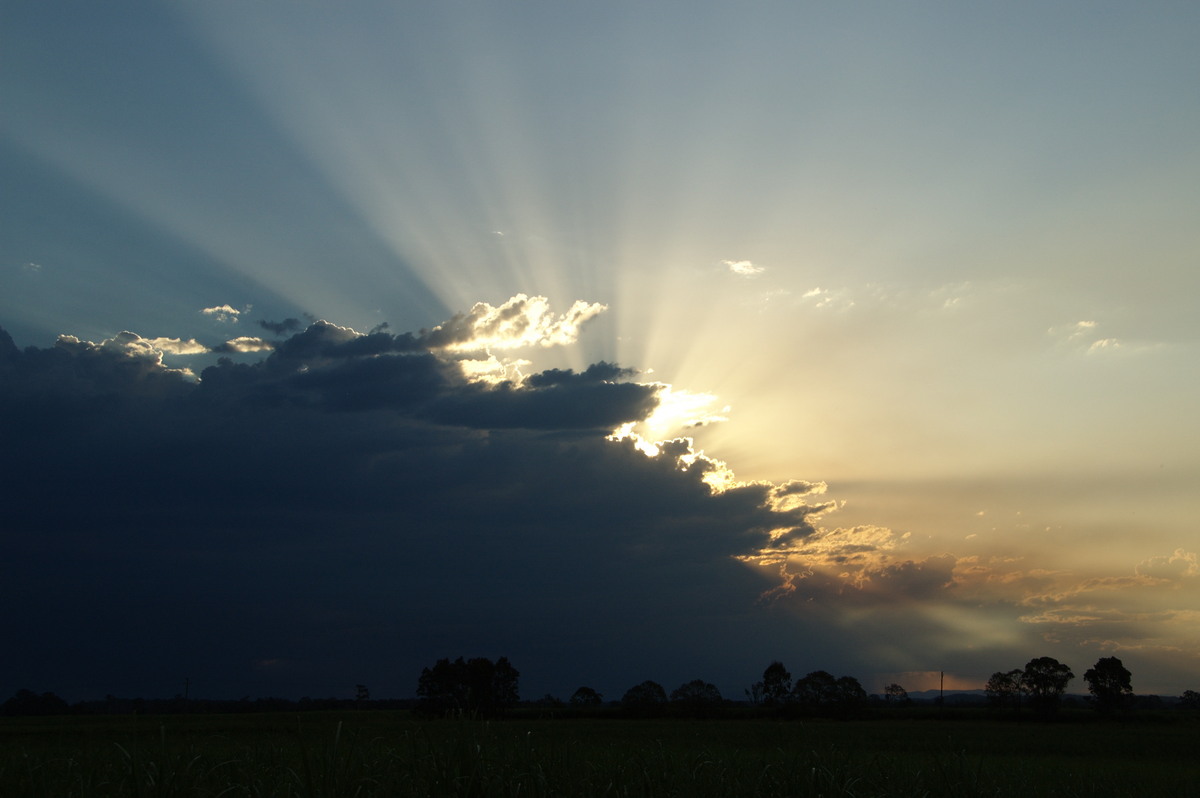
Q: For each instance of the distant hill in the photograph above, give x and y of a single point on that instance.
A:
(970, 697)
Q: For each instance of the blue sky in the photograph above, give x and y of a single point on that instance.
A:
(934, 261)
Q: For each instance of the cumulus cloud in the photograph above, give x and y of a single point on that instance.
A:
(855, 566)
(743, 268)
(522, 321)
(371, 502)
(356, 502)
(177, 346)
(1176, 566)
(127, 356)
(243, 344)
(1103, 344)
(836, 299)
(225, 313)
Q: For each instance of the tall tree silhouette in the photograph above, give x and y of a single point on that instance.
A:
(1004, 689)
(776, 684)
(1045, 680)
(1110, 684)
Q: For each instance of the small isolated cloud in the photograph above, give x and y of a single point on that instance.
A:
(245, 343)
(30, 266)
(1104, 344)
(1083, 335)
(795, 493)
(281, 327)
(743, 268)
(1082, 328)
(224, 313)
(828, 298)
(953, 296)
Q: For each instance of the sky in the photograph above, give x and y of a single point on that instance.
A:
(628, 340)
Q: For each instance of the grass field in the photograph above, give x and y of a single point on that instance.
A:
(390, 754)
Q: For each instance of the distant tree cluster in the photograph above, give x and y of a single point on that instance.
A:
(697, 699)
(694, 699)
(27, 702)
(1044, 680)
(468, 687)
(819, 692)
(586, 697)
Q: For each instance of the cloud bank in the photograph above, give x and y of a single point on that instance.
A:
(358, 502)
(352, 506)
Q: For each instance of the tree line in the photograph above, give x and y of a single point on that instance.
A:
(483, 688)
(1043, 681)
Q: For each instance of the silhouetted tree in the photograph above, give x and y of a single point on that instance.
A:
(697, 698)
(1190, 700)
(647, 699)
(586, 697)
(817, 689)
(1110, 684)
(895, 695)
(1045, 680)
(776, 684)
(361, 693)
(849, 693)
(1004, 689)
(476, 686)
(820, 691)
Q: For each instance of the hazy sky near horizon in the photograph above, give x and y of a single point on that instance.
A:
(915, 281)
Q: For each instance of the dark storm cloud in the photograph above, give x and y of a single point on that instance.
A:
(339, 369)
(352, 507)
(280, 327)
(597, 372)
(571, 404)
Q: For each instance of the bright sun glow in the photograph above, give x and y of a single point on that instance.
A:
(680, 411)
